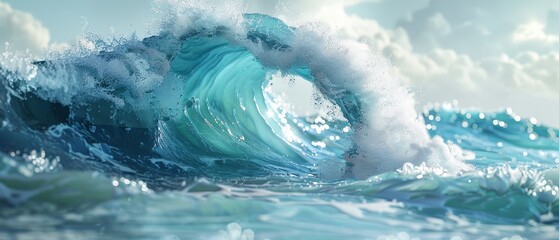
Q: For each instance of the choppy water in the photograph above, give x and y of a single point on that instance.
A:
(179, 136)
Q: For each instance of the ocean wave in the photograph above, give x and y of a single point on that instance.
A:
(198, 92)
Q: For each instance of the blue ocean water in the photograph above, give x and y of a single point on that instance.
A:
(179, 136)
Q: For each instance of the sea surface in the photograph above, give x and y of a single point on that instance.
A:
(180, 135)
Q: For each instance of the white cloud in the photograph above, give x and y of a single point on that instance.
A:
(481, 28)
(21, 30)
(533, 31)
(528, 70)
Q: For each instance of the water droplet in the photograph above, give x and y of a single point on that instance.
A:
(533, 136)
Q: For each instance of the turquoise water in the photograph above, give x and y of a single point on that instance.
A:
(180, 136)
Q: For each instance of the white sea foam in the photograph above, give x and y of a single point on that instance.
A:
(234, 231)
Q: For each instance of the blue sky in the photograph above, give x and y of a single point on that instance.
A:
(485, 54)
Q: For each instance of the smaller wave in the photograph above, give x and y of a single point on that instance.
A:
(495, 138)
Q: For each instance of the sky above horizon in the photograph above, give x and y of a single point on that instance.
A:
(484, 54)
